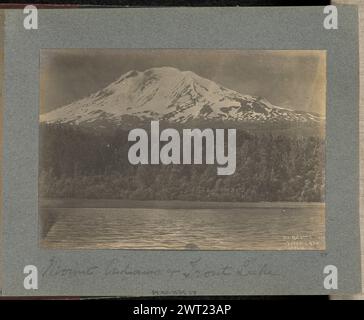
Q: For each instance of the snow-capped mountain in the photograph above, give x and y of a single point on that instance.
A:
(172, 95)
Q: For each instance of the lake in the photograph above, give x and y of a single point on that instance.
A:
(114, 224)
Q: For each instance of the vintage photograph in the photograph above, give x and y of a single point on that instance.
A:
(182, 149)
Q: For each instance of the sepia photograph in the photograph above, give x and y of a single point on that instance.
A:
(182, 149)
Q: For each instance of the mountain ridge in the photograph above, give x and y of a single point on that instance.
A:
(168, 94)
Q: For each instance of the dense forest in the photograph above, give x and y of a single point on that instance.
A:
(77, 163)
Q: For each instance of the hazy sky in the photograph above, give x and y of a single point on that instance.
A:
(287, 78)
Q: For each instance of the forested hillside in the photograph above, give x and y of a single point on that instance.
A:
(76, 163)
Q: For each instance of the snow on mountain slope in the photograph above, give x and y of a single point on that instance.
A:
(169, 94)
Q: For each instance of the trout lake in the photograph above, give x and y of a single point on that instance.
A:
(180, 225)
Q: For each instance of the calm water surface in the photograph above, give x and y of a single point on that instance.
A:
(277, 228)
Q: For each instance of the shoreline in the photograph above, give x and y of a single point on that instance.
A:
(169, 204)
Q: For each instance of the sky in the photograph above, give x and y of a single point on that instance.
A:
(294, 79)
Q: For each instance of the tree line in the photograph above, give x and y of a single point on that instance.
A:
(78, 163)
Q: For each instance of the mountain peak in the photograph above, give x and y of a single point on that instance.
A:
(167, 93)
(163, 69)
